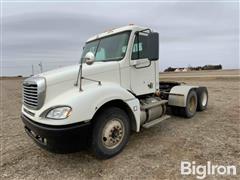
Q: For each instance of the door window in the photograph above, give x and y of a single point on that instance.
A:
(139, 50)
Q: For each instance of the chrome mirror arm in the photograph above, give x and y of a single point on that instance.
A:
(79, 76)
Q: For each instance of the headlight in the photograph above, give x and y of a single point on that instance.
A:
(59, 113)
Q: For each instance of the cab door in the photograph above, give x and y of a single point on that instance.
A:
(143, 72)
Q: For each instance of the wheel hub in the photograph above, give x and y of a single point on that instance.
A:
(112, 134)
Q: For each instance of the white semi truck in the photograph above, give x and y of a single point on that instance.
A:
(114, 90)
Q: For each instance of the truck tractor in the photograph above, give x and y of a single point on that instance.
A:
(114, 90)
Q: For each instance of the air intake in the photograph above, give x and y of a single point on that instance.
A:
(34, 92)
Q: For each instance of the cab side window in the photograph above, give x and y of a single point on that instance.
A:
(139, 50)
(101, 54)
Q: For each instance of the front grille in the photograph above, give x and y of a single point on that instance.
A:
(34, 92)
(30, 95)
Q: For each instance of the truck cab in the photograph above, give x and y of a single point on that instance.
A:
(114, 90)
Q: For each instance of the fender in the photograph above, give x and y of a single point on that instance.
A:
(178, 95)
(84, 104)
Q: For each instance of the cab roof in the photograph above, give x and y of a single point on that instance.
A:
(114, 31)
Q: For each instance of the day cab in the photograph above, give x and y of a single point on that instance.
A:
(114, 90)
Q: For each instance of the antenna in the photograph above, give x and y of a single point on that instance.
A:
(32, 70)
(41, 67)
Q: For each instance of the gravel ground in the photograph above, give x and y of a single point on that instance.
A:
(155, 153)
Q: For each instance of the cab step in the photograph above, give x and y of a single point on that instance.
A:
(156, 121)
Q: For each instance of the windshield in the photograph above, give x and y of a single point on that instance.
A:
(110, 48)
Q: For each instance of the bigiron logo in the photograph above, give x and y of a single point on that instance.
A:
(202, 171)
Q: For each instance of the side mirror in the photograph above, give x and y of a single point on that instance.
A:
(89, 58)
(153, 46)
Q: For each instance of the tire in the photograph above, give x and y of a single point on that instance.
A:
(111, 132)
(191, 105)
(202, 94)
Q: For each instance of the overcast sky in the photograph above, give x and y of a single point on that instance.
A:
(191, 33)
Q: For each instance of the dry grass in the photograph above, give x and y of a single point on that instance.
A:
(156, 153)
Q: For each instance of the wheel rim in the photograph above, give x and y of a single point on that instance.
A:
(204, 99)
(112, 134)
(192, 104)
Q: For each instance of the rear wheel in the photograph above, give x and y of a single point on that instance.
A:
(202, 94)
(110, 132)
(191, 105)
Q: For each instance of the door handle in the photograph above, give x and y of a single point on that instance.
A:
(139, 62)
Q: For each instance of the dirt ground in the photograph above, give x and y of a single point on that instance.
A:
(155, 153)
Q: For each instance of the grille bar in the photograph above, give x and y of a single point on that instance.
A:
(30, 86)
(31, 99)
(29, 94)
(30, 104)
(33, 92)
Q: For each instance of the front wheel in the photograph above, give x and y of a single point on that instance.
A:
(110, 132)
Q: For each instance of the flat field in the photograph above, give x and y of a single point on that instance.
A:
(155, 153)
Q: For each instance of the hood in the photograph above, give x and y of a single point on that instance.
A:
(70, 73)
